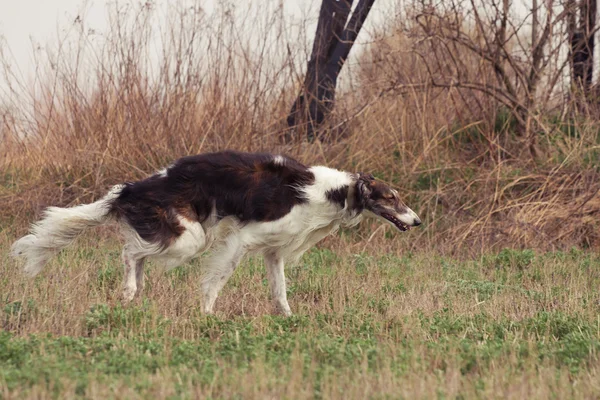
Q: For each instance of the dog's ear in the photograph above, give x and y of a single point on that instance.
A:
(366, 177)
(363, 188)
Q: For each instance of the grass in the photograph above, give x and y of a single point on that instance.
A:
(367, 325)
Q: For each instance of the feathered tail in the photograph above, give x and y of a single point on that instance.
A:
(58, 228)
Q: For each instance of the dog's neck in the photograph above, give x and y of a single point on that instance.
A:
(354, 210)
(355, 204)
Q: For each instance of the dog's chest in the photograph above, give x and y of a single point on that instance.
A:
(303, 225)
(305, 232)
(316, 235)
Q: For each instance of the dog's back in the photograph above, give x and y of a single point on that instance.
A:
(250, 186)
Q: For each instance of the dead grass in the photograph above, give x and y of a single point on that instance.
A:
(107, 116)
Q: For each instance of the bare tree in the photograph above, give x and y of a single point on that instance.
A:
(581, 30)
(333, 41)
(484, 46)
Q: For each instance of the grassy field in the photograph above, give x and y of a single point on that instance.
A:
(515, 324)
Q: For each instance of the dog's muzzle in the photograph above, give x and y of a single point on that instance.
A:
(403, 221)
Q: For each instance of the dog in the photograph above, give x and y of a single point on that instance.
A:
(238, 203)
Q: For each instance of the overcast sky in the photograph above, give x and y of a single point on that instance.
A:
(26, 24)
(40, 21)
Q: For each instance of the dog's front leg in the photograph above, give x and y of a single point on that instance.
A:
(276, 276)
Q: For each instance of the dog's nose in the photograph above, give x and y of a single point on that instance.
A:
(417, 222)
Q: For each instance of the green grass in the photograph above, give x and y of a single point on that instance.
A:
(322, 346)
(367, 325)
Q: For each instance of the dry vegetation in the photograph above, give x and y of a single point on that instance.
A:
(108, 108)
(382, 314)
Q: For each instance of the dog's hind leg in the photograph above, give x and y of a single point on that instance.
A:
(133, 279)
(275, 274)
(219, 269)
(139, 275)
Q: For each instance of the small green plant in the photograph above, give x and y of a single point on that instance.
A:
(518, 259)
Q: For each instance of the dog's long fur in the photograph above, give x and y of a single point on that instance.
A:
(241, 202)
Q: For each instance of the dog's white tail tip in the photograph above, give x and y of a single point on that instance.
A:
(19, 247)
(27, 247)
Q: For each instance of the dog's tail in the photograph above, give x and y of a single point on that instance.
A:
(58, 228)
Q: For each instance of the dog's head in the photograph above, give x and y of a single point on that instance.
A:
(382, 202)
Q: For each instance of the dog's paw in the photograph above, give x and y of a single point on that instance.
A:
(128, 294)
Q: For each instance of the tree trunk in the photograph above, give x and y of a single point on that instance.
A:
(331, 48)
(581, 37)
(314, 100)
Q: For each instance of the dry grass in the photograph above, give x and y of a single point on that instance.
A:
(109, 111)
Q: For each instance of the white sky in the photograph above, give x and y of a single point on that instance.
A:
(27, 24)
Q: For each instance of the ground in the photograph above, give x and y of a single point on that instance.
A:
(513, 324)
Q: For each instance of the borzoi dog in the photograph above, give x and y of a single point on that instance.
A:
(240, 202)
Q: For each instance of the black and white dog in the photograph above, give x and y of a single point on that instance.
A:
(241, 202)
